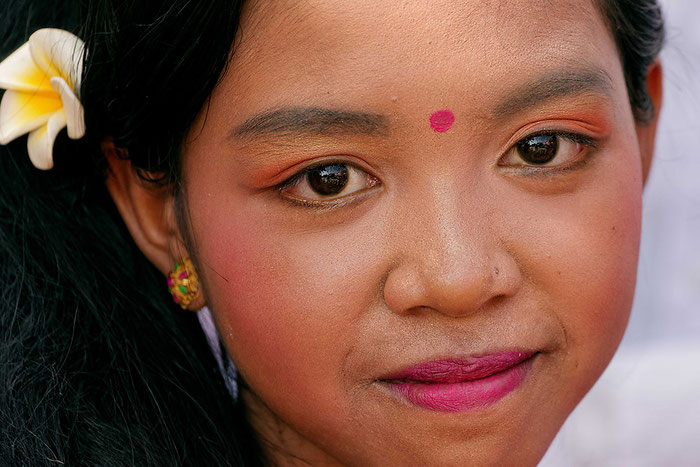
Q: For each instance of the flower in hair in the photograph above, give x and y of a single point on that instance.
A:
(42, 79)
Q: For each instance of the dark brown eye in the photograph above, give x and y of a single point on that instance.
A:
(538, 149)
(327, 180)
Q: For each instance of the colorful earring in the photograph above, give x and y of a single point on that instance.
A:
(184, 286)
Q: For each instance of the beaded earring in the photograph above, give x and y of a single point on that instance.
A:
(183, 283)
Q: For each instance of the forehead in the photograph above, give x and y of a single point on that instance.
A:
(451, 23)
(332, 52)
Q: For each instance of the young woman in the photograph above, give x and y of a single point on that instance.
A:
(416, 227)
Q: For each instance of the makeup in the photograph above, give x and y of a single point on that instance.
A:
(461, 385)
(442, 120)
(367, 324)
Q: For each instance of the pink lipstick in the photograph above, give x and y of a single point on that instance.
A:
(462, 384)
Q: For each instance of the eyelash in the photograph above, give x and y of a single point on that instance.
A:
(589, 146)
(323, 205)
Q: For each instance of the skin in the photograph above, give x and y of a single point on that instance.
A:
(454, 249)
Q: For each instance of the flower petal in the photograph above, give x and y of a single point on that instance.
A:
(22, 112)
(19, 72)
(40, 141)
(58, 53)
(75, 115)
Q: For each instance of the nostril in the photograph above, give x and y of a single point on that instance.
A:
(404, 289)
(455, 288)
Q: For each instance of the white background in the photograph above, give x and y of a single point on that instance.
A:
(645, 410)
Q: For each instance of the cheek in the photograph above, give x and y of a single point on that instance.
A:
(601, 268)
(599, 272)
(582, 261)
(287, 302)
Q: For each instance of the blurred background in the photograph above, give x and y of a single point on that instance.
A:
(645, 409)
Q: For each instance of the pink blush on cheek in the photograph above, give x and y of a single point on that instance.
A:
(442, 120)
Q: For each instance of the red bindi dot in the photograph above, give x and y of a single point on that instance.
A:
(442, 120)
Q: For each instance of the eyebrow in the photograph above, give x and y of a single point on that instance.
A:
(324, 122)
(312, 121)
(556, 85)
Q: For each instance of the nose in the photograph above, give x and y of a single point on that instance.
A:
(449, 259)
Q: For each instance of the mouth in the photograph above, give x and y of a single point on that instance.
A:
(461, 385)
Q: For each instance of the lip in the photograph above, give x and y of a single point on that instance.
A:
(460, 385)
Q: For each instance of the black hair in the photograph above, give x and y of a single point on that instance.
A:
(638, 29)
(97, 365)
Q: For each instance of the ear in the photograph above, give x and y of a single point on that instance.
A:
(646, 132)
(148, 210)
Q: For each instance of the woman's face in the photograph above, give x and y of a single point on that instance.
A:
(417, 224)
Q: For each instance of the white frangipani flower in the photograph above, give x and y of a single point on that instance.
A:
(42, 79)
